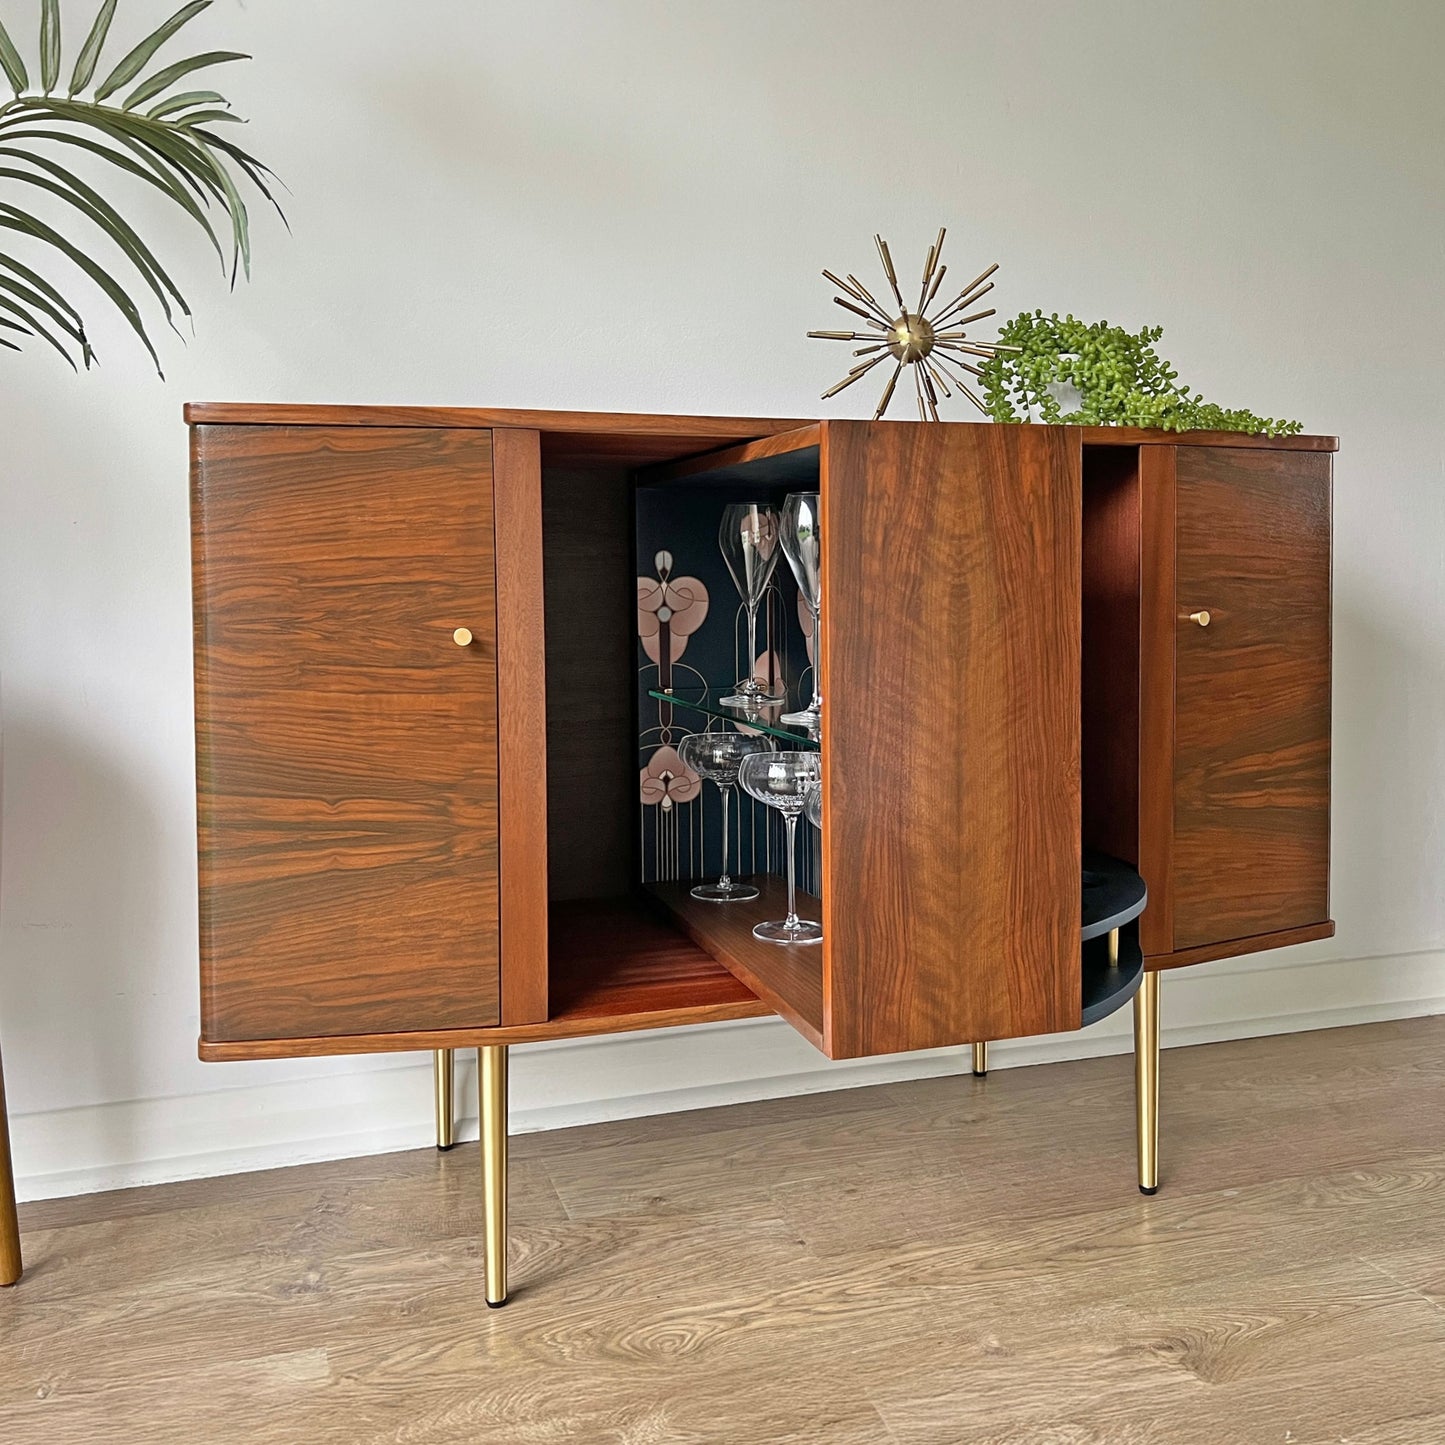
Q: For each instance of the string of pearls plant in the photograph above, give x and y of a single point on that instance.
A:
(1121, 380)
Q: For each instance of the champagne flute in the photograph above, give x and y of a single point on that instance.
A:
(748, 539)
(717, 757)
(782, 781)
(802, 545)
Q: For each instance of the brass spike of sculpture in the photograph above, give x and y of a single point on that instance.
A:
(933, 345)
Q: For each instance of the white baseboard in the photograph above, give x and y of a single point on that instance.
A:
(383, 1104)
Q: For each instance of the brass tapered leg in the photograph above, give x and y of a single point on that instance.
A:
(1146, 1080)
(10, 1266)
(492, 1070)
(442, 1078)
(980, 1060)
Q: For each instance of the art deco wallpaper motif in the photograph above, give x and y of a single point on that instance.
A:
(692, 639)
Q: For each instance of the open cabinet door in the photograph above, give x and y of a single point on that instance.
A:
(951, 655)
(346, 742)
(1251, 777)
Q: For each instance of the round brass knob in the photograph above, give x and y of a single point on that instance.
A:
(462, 637)
(1202, 618)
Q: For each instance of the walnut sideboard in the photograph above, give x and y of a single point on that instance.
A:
(428, 683)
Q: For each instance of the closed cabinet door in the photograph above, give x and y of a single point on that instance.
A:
(951, 721)
(346, 730)
(1252, 693)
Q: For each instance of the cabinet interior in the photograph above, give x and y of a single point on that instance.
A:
(620, 915)
(1109, 623)
(613, 861)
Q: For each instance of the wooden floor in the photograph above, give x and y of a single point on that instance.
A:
(952, 1262)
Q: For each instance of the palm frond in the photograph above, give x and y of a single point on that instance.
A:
(149, 173)
(94, 207)
(164, 79)
(187, 98)
(12, 218)
(171, 146)
(11, 63)
(24, 301)
(134, 63)
(49, 44)
(90, 51)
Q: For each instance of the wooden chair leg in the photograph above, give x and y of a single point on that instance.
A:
(10, 1263)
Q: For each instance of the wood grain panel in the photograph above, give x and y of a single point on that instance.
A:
(569, 438)
(1252, 694)
(521, 725)
(744, 454)
(615, 959)
(950, 733)
(605, 435)
(1134, 436)
(590, 605)
(789, 977)
(1157, 627)
(346, 746)
(615, 966)
(1234, 947)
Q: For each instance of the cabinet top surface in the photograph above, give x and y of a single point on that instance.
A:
(704, 429)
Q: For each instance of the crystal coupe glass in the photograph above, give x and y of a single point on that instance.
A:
(717, 757)
(748, 539)
(802, 545)
(782, 781)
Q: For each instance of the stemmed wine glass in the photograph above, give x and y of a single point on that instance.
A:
(782, 781)
(802, 545)
(813, 808)
(717, 757)
(748, 537)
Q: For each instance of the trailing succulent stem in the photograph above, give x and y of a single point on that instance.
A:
(153, 132)
(1120, 378)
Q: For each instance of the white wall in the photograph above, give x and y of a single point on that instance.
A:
(624, 204)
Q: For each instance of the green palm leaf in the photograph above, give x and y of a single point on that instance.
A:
(67, 314)
(12, 218)
(172, 147)
(184, 101)
(148, 173)
(23, 302)
(49, 44)
(91, 204)
(28, 324)
(164, 79)
(11, 63)
(94, 44)
(133, 64)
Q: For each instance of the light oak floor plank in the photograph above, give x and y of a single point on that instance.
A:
(946, 1262)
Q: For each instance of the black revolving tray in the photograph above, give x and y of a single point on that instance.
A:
(1113, 897)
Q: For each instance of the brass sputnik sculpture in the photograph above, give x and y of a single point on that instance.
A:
(931, 345)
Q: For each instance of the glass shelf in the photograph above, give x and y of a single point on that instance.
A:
(763, 720)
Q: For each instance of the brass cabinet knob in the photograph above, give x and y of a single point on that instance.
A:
(462, 637)
(1201, 617)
